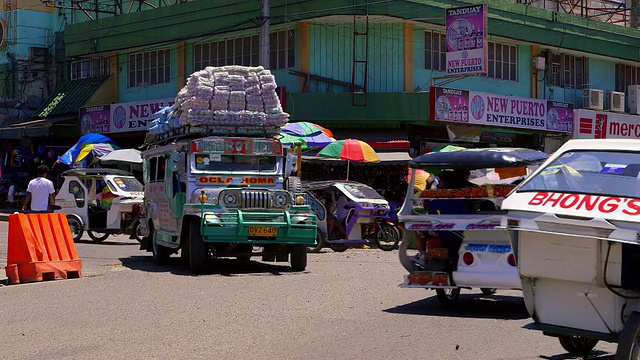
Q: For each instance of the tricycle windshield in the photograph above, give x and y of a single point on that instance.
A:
(361, 191)
(221, 162)
(612, 173)
(128, 184)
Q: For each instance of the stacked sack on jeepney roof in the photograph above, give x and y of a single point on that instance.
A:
(226, 100)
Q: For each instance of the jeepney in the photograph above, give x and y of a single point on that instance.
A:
(216, 197)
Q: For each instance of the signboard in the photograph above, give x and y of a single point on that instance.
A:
(593, 124)
(243, 146)
(94, 119)
(478, 108)
(466, 29)
(122, 117)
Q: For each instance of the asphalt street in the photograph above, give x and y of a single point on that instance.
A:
(344, 306)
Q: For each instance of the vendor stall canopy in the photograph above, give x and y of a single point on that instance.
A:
(478, 159)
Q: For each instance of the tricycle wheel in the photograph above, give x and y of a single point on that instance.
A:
(137, 231)
(387, 237)
(160, 253)
(338, 247)
(76, 227)
(198, 252)
(298, 257)
(97, 236)
(448, 296)
(320, 243)
(488, 291)
(629, 340)
(577, 345)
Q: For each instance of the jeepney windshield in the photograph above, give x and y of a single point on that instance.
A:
(128, 184)
(362, 192)
(223, 162)
(612, 173)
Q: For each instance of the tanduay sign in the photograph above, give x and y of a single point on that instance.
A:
(121, 117)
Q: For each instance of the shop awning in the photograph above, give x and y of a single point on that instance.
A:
(31, 128)
(69, 97)
(378, 138)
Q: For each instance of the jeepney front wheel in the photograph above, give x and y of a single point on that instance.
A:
(579, 345)
(160, 253)
(298, 257)
(448, 297)
(629, 340)
(198, 252)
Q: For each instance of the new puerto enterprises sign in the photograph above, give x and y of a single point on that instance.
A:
(122, 117)
(478, 108)
(466, 29)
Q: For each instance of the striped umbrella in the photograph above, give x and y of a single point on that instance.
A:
(350, 150)
(304, 128)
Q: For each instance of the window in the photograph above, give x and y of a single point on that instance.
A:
(153, 166)
(435, 51)
(502, 61)
(567, 71)
(77, 190)
(149, 68)
(245, 51)
(84, 69)
(626, 75)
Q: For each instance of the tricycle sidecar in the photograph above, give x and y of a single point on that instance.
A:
(576, 232)
(359, 213)
(458, 222)
(80, 198)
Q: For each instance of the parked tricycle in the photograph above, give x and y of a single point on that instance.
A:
(351, 213)
(88, 206)
(576, 233)
(456, 225)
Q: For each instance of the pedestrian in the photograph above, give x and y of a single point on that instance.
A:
(40, 192)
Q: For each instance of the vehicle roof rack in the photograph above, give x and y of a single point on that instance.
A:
(95, 172)
(194, 132)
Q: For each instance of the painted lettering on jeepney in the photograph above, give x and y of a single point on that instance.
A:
(236, 180)
(237, 146)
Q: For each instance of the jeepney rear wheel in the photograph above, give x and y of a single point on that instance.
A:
(578, 345)
(96, 237)
(198, 252)
(298, 257)
(629, 340)
(448, 297)
(488, 291)
(160, 253)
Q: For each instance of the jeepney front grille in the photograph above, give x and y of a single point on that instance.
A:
(255, 199)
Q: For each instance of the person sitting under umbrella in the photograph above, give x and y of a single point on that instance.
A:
(335, 229)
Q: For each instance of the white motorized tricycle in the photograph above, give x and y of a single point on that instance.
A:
(79, 199)
(576, 232)
(459, 221)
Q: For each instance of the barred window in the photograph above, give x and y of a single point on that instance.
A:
(626, 75)
(149, 68)
(245, 51)
(502, 61)
(567, 71)
(435, 51)
(90, 68)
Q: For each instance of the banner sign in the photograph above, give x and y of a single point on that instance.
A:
(593, 124)
(466, 29)
(478, 108)
(122, 117)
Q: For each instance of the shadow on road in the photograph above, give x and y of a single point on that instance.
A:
(595, 354)
(107, 242)
(468, 306)
(224, 267)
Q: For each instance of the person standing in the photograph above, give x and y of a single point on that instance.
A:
(40, 192)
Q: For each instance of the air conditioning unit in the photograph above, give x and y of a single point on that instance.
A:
(615, 101)
(633, 92)
(592, 99)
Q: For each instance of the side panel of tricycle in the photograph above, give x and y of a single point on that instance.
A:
(565, 283)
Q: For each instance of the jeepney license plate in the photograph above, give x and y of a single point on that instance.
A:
(437, 278)
(264, 231)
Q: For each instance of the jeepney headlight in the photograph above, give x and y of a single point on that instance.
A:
(281, 199)
(230, 198)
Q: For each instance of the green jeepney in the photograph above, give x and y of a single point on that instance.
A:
(217, 197)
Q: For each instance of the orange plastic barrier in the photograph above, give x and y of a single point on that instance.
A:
(41, 247)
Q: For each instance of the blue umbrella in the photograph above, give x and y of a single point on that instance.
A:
(70, 157)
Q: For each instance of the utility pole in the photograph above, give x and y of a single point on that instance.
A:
(265, 25)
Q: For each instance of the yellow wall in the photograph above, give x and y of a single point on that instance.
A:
(35, 5)
(407, 33)
(108, 92)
